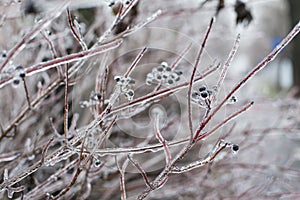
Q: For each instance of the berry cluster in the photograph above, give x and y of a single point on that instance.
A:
(232, 100)
(20, 73)
(203, 97)
(163, 74)
(124, 83)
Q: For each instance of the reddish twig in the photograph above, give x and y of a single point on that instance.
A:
(140, 169)
(21, 45)
(193, 77)
(135, 62)
(271, 56)
(66, 105)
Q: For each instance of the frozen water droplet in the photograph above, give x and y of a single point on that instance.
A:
(31, 157)
(84, 104)
(10, 193)
(5, 175)
(164, 64)
(4, 54)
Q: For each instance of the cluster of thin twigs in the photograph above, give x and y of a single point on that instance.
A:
(92, 158)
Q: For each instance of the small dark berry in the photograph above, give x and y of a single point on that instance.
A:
(117, 79)
(22, 75)
(179, 72)
(98, 96)
(4, 54)
(160, 69)
(148, 82)
(111, 4)
(170, 81)
(97, 163)
(233, 99)
(202, 88)
(130, 93)
(16, 81)
(168, 69)
(195, 94)
(204, 94)
(21, 71)
(235, 147)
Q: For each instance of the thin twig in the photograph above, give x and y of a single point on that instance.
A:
(219, 146)
(135, 62)
(26, 93)
(181, 56)
(227, 119)
(193, 77)
(43, 66)
(31, 194)
(122, 177)
(165, 173)
(271, 56)
(66, 105)
(162, 140)
(75, 176)
(140, 169)
(21, 45)
(33, 104)
(228, 61)
(75, 33)
(29, 171)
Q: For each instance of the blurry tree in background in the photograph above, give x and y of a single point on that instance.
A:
(294, 14)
